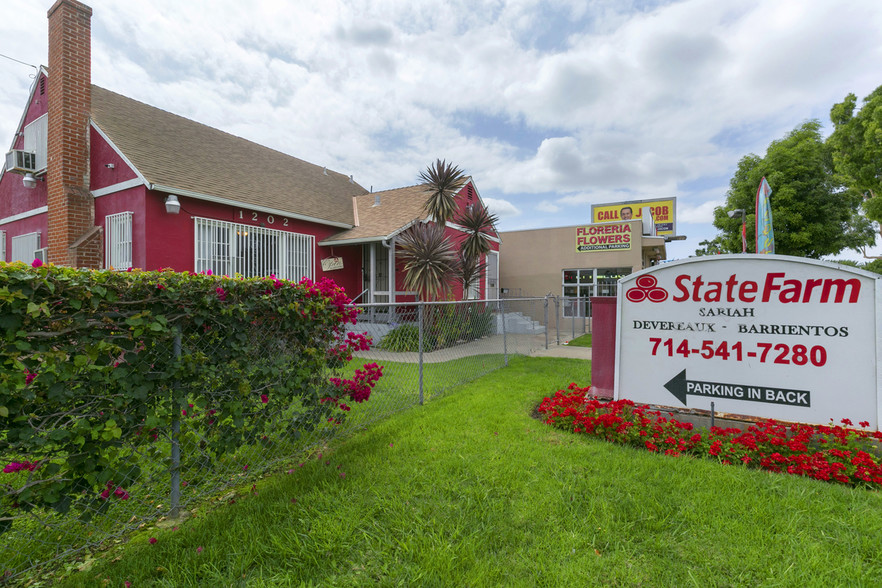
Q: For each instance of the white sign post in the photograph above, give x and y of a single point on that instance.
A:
(769, 336)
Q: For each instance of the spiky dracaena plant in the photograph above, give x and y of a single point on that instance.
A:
(442, 181)
(476, 221)
(469, 270)
(429, 259)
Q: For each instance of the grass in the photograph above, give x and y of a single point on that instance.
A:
(581, 341)
(470, 490)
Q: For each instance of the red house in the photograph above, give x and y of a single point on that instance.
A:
(95, 179)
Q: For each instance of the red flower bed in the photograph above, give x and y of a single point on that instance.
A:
(831, 453)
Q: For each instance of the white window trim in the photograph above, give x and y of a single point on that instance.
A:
(2, 245)
(31, 243)
(118, 241)
(487, 275)
(36, 135)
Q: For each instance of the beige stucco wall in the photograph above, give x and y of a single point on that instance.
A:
(531, 262)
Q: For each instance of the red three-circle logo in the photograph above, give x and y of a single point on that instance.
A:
(646, 288)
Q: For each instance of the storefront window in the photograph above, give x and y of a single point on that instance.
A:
(579, 285)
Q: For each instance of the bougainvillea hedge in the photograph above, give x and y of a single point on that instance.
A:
(94, 363)
(832, 453)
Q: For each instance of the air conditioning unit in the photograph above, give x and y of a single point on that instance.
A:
(21, 161)
(42, 254)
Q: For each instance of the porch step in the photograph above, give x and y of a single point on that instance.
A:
(518, 323)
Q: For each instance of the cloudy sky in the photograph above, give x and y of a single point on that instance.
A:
(550, 105)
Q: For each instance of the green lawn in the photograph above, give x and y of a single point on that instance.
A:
(470, 490)
(581, 341)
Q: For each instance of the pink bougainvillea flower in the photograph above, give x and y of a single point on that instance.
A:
(264, 398)
(16, 466)
(199, 549)
(160, 287)
(152, 540)
(342, 474)
(36, 263)
(29, 377)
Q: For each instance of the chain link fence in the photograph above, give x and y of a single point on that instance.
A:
(191, 455)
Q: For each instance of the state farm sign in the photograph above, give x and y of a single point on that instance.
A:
(762, 335)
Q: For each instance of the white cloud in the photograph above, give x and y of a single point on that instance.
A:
(547, 206)
(501, 208)
(619, 100)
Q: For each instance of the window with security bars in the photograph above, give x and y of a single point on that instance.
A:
(24, 246)
(118, 241)
(229, 249)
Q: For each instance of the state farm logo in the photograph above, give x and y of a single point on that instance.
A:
(646, 288)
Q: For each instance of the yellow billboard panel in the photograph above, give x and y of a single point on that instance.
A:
(663, 213)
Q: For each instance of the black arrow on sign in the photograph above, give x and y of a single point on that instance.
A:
(681, 387)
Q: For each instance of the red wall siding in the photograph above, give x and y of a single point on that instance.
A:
(102, 154)
(171, 237)
(14, 197)
(131, 200)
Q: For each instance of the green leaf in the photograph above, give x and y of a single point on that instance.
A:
(4, 412)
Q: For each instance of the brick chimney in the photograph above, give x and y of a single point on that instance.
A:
(74, 240)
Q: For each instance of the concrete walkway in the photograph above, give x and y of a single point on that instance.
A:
(532, 345)
(562, 351)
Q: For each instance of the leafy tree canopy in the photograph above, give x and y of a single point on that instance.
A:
(856, 146)
(812, 214)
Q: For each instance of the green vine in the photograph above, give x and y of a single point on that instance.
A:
(96, 365)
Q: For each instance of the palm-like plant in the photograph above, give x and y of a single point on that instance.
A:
(429, 259)
(469, 269)
(476, 220)
(442, 181)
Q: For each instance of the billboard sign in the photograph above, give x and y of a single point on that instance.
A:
(769, 336)
(664, 212)
(603, 237)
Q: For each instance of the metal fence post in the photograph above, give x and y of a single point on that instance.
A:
(546, 321)
(585, 315)
(557, 318)
(420, 345)
(175, 498)
(504, 339)
(573, 317)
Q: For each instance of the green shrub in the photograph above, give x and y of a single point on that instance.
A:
(401, 338)
(95, 366)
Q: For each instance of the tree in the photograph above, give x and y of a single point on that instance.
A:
(442, 181)
(431, 262)
(856, 145)
(812, 214)
(429, 259)
(476, 244)
(710, 246)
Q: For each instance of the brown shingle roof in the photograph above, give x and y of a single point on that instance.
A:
(397, 209)
(181, 154)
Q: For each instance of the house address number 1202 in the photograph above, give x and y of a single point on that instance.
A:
(254, 217)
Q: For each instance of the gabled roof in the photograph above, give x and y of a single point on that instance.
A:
(173, 153)
(397, 210)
